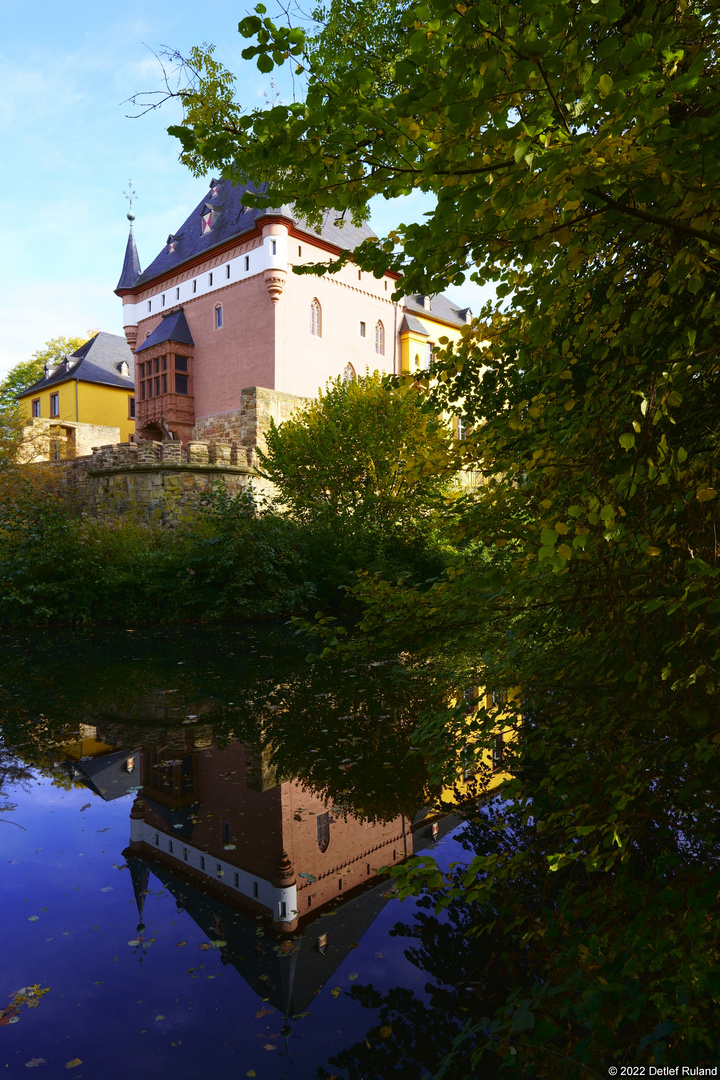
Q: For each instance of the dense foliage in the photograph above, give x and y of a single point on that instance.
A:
(572, 150)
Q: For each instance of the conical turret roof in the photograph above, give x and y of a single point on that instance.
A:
(131, 265)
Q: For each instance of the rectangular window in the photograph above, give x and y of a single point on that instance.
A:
(226, 832)
(218, 870)
(498, 751)
(164, 383)
(299, 251)
(181, 383)
(149, 305)
(157, 386)
(273, 245)
(218, 318)
(202, 862)
(195, 286)
(54, 404)
(142, 371)
(177, 293)
(429, 352)
(362, 329)
(55, 450)
(157, 840)
(283, 909)
(227, 271)
(131, 408)
(181, 363)
(237, 881)
(36, 407)
(164, 363)
(170, 846)
(162, 300)
(157, 364)
(247, 262)
(256, 891)
(461, 429)
(142, 391)
(209, 279)
(185, 854)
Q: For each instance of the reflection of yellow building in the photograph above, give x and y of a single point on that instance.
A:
(482, 771)
(87, 399)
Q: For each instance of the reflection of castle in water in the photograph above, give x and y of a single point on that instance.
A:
(219, 819)
(238, 849)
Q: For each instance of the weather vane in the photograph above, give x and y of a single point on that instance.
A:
(130, 194)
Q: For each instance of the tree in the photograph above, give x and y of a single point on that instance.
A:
(572, 149)
(344, 456)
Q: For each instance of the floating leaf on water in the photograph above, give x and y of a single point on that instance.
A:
(33, 918)
(353, 976)
(34, 1062)
(250, 1072)
(385, 1031)
(85, 807)
(107, 888)
(336, 991)
(73, 1064)
(134, 942)
(229, 847)
(269, 1046)
(181, 943)
(160, 1017)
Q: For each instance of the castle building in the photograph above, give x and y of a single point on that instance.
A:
(219, 311)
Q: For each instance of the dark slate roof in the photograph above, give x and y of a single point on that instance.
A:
(440, 306)
(232, 219)
(97, 361)
(131, 266)
(107, 776)
(172, 327)
(411, 323)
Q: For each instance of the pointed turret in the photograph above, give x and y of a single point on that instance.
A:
(131, 266)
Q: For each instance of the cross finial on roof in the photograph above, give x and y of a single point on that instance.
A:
(130, 194)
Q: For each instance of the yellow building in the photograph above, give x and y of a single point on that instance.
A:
(87, 399)
(425, 320)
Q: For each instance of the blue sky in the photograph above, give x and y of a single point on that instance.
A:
(70, 148)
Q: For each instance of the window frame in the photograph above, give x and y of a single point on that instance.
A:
(315, 317)
(35, 408)
(218, 317)
(54, 406)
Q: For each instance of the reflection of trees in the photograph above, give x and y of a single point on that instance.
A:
(466, 982)
(13, 773)
(347, 732)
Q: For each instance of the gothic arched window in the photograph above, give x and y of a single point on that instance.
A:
(316, 318)
(379, 338)
(348, 373)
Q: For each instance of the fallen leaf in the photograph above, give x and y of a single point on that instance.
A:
(385, 1031)
(250, 1072)
(33, 918)
(269, 1046)
(108, 888)
(336, 991)
(264, 1012)
(33, 1062)
(72, 1064)
(161, 1017)
(354, 945)
(352, 976)
(85, 807)
(181, 943)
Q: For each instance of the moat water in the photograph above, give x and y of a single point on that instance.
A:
(191, 831)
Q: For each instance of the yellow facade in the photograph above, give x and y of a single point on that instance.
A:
(413, 345)
(82, 402)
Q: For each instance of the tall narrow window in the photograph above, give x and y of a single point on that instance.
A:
(131, 408)
(227, 271)
(498, 751)
(273, 246)
(379, 338)
(429, 352)
(316, 318)
(177, 293)
(218, 317)
(36, 407)
(209, 279)
(323, 831)
(195, 285)
(348, 372)
(362, 328)
(149, 305)
(162, 300)
(54, 404)
(247, 262)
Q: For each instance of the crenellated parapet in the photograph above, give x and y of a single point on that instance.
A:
(162, 483)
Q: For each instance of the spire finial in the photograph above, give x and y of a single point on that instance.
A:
(130, 194)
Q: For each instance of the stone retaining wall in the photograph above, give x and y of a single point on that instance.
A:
(247, 425)
(154, 482)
